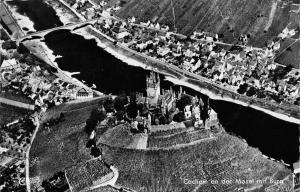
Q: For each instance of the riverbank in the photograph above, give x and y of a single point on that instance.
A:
(62, 14)
(24, 22)
(139, 61)
(40, 49)
(287, 113)
(229, 99)
(89, 33)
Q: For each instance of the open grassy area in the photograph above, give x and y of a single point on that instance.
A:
(168, 170)
(10, 113)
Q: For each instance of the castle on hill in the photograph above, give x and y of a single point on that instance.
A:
(163, 103)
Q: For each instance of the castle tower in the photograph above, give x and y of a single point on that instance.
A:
(153, 88)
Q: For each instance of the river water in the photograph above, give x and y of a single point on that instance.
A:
(274, 137)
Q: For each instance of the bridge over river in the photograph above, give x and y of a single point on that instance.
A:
(70, 26)
(17, 33)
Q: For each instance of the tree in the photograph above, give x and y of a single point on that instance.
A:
(120, 102)
(22, 49)
(143, 109)
(183, 101)
(61, 117)
(47, 186)
(98, 114)
(261, 94)
(120, 115)
(96, 152)
(90, 126)
(9, 45)
(109, 105)
(252, 91)
(242, 89)
(90, 143)
(132, 110)
(179, 117)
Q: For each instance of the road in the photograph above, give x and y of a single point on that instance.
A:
(8, 19)
(16, 103)
(27, 178)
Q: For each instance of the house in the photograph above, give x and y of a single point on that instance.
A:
(9, 63)
(188, 111)
(212, 120)
(296, 175)
(83, 93)
(122, 35)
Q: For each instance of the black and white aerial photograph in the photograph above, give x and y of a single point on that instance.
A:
(149, 95)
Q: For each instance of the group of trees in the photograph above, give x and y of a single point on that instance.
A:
(122, 106)
(280, 72)
(61, 183)
(97, 115)
(55, 121)
(9, 45)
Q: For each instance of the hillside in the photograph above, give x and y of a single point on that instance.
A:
(232, 17)
(261, 19)
(62, 145)
(171, 170)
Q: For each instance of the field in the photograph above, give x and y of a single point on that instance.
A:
(82, 176)
(176, 138)
(63, 145)
(169, 170)
(118, 136)
(291, 55)
(163, 133)
(10, 113)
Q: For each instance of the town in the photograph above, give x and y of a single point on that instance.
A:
(240, 68)
(67, 136)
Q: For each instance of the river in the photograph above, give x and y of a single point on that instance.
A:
(274, 137)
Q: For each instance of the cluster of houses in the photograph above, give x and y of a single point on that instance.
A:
(15, 140)
(46, 90)
(239, 67)
(91, 10)
(39, 85)
(200, 54)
